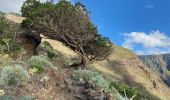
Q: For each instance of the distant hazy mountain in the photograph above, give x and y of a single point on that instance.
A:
(160, 64)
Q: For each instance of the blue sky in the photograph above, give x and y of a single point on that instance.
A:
(139, 25)
(119, 19)
(115, 17)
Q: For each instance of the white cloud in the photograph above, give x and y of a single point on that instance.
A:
(143, 43)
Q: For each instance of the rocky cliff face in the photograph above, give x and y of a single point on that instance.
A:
(166, 58)
(160, 64)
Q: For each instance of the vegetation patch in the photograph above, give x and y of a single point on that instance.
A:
(93, 77)
(6, 98)
(67, 23)
(14, 75)
(26, 98)
(126, 91)
(9, 31)
(3, 23)
(40, 62)
(46, 46)
(120, 97)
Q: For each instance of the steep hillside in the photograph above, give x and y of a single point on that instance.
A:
(160, 64)
(125, 66)
(121, 66)
(13, 17)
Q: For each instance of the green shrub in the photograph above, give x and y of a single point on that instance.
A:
(3, 46)
(9, 46)
(6, 60)
(14, 75)
(26, 98)
(46, 46)
(123, 88)
(8, 33)
(108, 85)
(119, 97)
(19, 51)
(3, 23)
(6, 98)
(40, 62)
(94, 77)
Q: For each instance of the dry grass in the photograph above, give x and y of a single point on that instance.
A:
(59, 46)
(120, 53)
(110, 67)
(124, 65)
(14, 18)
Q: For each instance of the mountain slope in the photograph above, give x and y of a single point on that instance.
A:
(160, 64)
(13, 17)
(125, 66)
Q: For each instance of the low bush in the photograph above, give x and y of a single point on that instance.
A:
(120, 97)
(6, 60)
(6, 98)
(14, 75)
(9, 46)
(8, 33)
(18, 51)
(40, 62)
(3, 22)
(93, 77)
(26, 98)
(5, 45)
(46, 46)
(126, 91)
